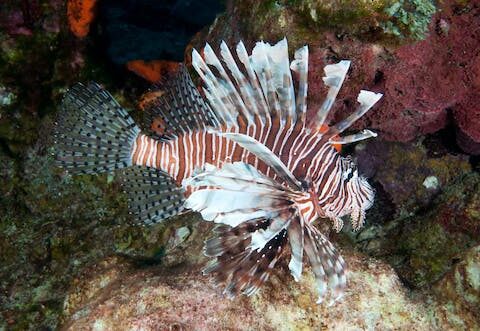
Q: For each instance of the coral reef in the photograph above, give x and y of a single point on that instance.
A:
(69, 253)
(460, 291)
(52, 226)
(427, 227)
(405, 172)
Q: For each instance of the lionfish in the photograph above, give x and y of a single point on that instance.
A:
(247, 158)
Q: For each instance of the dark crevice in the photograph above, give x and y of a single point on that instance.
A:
(444, 141)
(475, 162)
(152, 30)
(379, 77)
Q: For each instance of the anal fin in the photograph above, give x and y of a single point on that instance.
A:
(152, 194)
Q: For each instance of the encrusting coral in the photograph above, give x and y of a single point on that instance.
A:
(182, 298)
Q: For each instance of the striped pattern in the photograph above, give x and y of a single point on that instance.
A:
(284, 172)
(247, 158)
(93, 132)
(340, 191)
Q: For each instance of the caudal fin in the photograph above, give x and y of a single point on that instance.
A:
(94, 134)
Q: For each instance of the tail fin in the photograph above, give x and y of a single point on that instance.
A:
(94, 133)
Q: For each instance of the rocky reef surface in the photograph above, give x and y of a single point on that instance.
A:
(113, 295)
(71, 258)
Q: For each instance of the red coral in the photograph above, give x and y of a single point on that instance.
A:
(441, 73)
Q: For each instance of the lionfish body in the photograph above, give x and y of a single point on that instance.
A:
(248, 159)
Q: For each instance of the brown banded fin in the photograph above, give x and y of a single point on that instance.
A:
(152, 194)
(263, 87)
(253, 81)
(241, 268)
(334, 76)
(246, 90)
(179, 109)
(327, 264)
(232, 97)
(300, 66)
(94, 133)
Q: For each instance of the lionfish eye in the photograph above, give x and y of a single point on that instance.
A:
(305, 184)
(350, 174)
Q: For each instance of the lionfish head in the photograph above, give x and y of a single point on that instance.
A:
(358, 195)
(344, 193)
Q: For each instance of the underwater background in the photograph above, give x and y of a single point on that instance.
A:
(71, 256)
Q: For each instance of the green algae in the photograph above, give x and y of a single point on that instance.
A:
(302, 20)
(430, 252)
(409, 18)
(51, 228)
(431, 241)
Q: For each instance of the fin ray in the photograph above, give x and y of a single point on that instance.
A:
(366, 99)
(180, 107)
(94, 133)
(266, 155)
(334, 76)
(152, 194)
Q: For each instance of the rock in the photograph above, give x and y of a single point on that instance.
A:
(304, 20)
(7, 97)
(112, 295)
(431, 183)
(407, 174)
(424, 215)
(424, 246)
(37, 60)
(459, 292)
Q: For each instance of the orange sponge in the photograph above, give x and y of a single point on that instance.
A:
(153, 71)
(80, 14)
